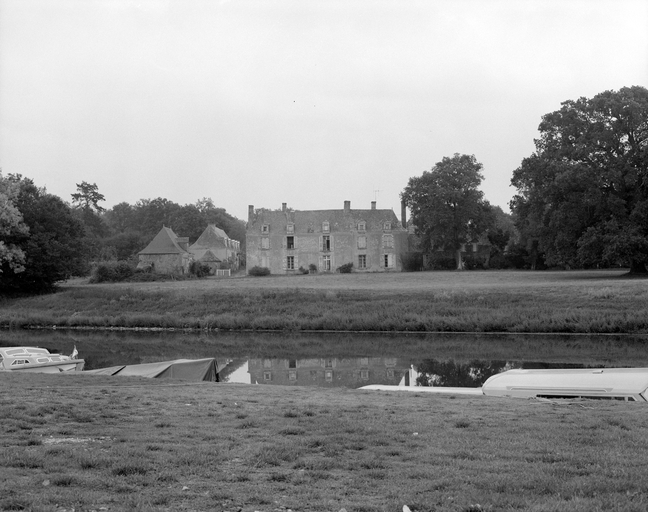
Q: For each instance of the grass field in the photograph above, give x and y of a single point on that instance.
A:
(489, 301)
(74, 442)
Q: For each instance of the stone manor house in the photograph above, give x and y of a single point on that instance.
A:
(286, 240)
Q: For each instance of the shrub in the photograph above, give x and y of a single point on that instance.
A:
(442, 262)
(312, 267)
(112, 271)
(259, 271)
(412, 261)
(346, 268)
(303, 270)
(199, 269)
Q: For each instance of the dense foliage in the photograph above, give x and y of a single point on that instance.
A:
(52, 244)
(447, 207)
(44, 240)
(12, 226)
(583, 195)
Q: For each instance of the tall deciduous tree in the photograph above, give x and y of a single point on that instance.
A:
(446, 205)
(583, 194)
(53, 247)
(12, 227)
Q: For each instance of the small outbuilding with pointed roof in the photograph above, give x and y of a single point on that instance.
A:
(167, 253)
(215, 249)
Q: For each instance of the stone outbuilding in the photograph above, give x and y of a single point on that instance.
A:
(216, 250)
(167, 253)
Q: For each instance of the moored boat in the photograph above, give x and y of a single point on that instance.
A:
(629, 384)
(36, 359)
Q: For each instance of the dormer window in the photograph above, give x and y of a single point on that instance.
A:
(290, 228)
(326, 226)
(387, 226)
(362, 226)
(265, 228)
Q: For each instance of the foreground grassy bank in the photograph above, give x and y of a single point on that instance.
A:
(588, 302)
(75, 442)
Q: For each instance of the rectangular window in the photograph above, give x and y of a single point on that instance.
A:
(389, 260)
(328, 375)
(325, 227)
(290, 263)
(362, 242)
(267, 375)
(362, 226)
(326, 243)
(388, 241)
(265, 243)
(326, 260)
(387, 226)
(362, 261)
(265, 228)
(292, 375)
(290, 242)
(290, 228)
(364, 374)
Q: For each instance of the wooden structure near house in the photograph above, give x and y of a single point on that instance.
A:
(167, 253)
(286, 240)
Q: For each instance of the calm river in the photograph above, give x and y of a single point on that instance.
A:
(345, 359)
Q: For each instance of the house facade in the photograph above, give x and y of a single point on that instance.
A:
(287, 240)
(167, 253)
(216, 250)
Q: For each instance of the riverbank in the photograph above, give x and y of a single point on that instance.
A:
(79, 442)
(497, 301)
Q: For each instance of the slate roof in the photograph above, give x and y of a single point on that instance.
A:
(212, 237)
(205, 255)
(165, 242)
(306, 221)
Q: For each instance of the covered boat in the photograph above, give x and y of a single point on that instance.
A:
(36, 359)
(629, 384)
(188, 369)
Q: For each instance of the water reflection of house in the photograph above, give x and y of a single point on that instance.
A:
(328, 372)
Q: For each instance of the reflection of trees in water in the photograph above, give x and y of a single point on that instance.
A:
(452, 374)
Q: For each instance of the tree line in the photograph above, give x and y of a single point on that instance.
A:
(582, 196)
(45, 240)
(581, 202)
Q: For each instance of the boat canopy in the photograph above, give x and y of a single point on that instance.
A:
(187, 369)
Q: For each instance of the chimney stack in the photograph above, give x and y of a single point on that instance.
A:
(373, 205)
(250, 212)
(403, 214)
(283, 207)
(347, 206)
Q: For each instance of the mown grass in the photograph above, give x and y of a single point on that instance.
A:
(556, 302)
(92, 442)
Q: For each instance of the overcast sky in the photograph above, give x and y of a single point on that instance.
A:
(310, 103)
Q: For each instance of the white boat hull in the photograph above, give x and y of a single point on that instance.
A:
(74, 365)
